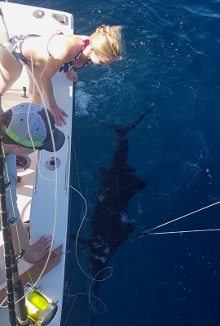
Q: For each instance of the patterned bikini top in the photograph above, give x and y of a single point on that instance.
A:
(67, 66)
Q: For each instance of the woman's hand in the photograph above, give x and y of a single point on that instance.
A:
(58, 114)
(72, 75)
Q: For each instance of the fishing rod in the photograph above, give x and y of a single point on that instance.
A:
(6, 242)
(15, 290)
(19, 298)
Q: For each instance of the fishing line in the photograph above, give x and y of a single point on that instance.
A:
(185, 231)
(6, 45)
(76, 295)
(77, 173)
(5, 299)
(95, 280)
(183, 216)
(76, 251)
(149, 231)
(77, 236)
(70, 310)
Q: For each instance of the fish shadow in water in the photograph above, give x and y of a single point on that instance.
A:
(110, 225)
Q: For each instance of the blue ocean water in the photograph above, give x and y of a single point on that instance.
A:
(171, 59)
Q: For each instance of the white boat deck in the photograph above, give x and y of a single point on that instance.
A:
(41, 198)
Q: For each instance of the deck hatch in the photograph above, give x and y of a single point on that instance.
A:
(62, 19)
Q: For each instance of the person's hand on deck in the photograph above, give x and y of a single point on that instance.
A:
(34, 252)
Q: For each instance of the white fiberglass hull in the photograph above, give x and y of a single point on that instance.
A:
(43, 194)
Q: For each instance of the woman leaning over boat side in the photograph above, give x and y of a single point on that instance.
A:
(59, 52)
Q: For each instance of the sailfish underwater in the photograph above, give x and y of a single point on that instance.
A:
(110, 225)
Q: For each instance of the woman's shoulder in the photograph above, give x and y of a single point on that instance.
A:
(75, 43)
(68, 45)
(68, 41)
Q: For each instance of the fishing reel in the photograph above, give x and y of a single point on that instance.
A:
(41, 310)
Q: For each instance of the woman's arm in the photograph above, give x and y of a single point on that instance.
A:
(63, 48)
(50, 69)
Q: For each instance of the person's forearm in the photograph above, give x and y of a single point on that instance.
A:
(56, 112)
(48, 91)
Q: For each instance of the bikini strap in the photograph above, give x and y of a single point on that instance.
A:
(57, 33)
(85, 43)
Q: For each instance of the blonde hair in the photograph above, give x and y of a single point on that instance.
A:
(107, 41)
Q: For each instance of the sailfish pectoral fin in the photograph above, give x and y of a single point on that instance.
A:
(83, 242)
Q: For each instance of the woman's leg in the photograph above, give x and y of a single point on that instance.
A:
(10, 71)
(37, 71)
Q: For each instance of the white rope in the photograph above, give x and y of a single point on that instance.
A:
(178, 218)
